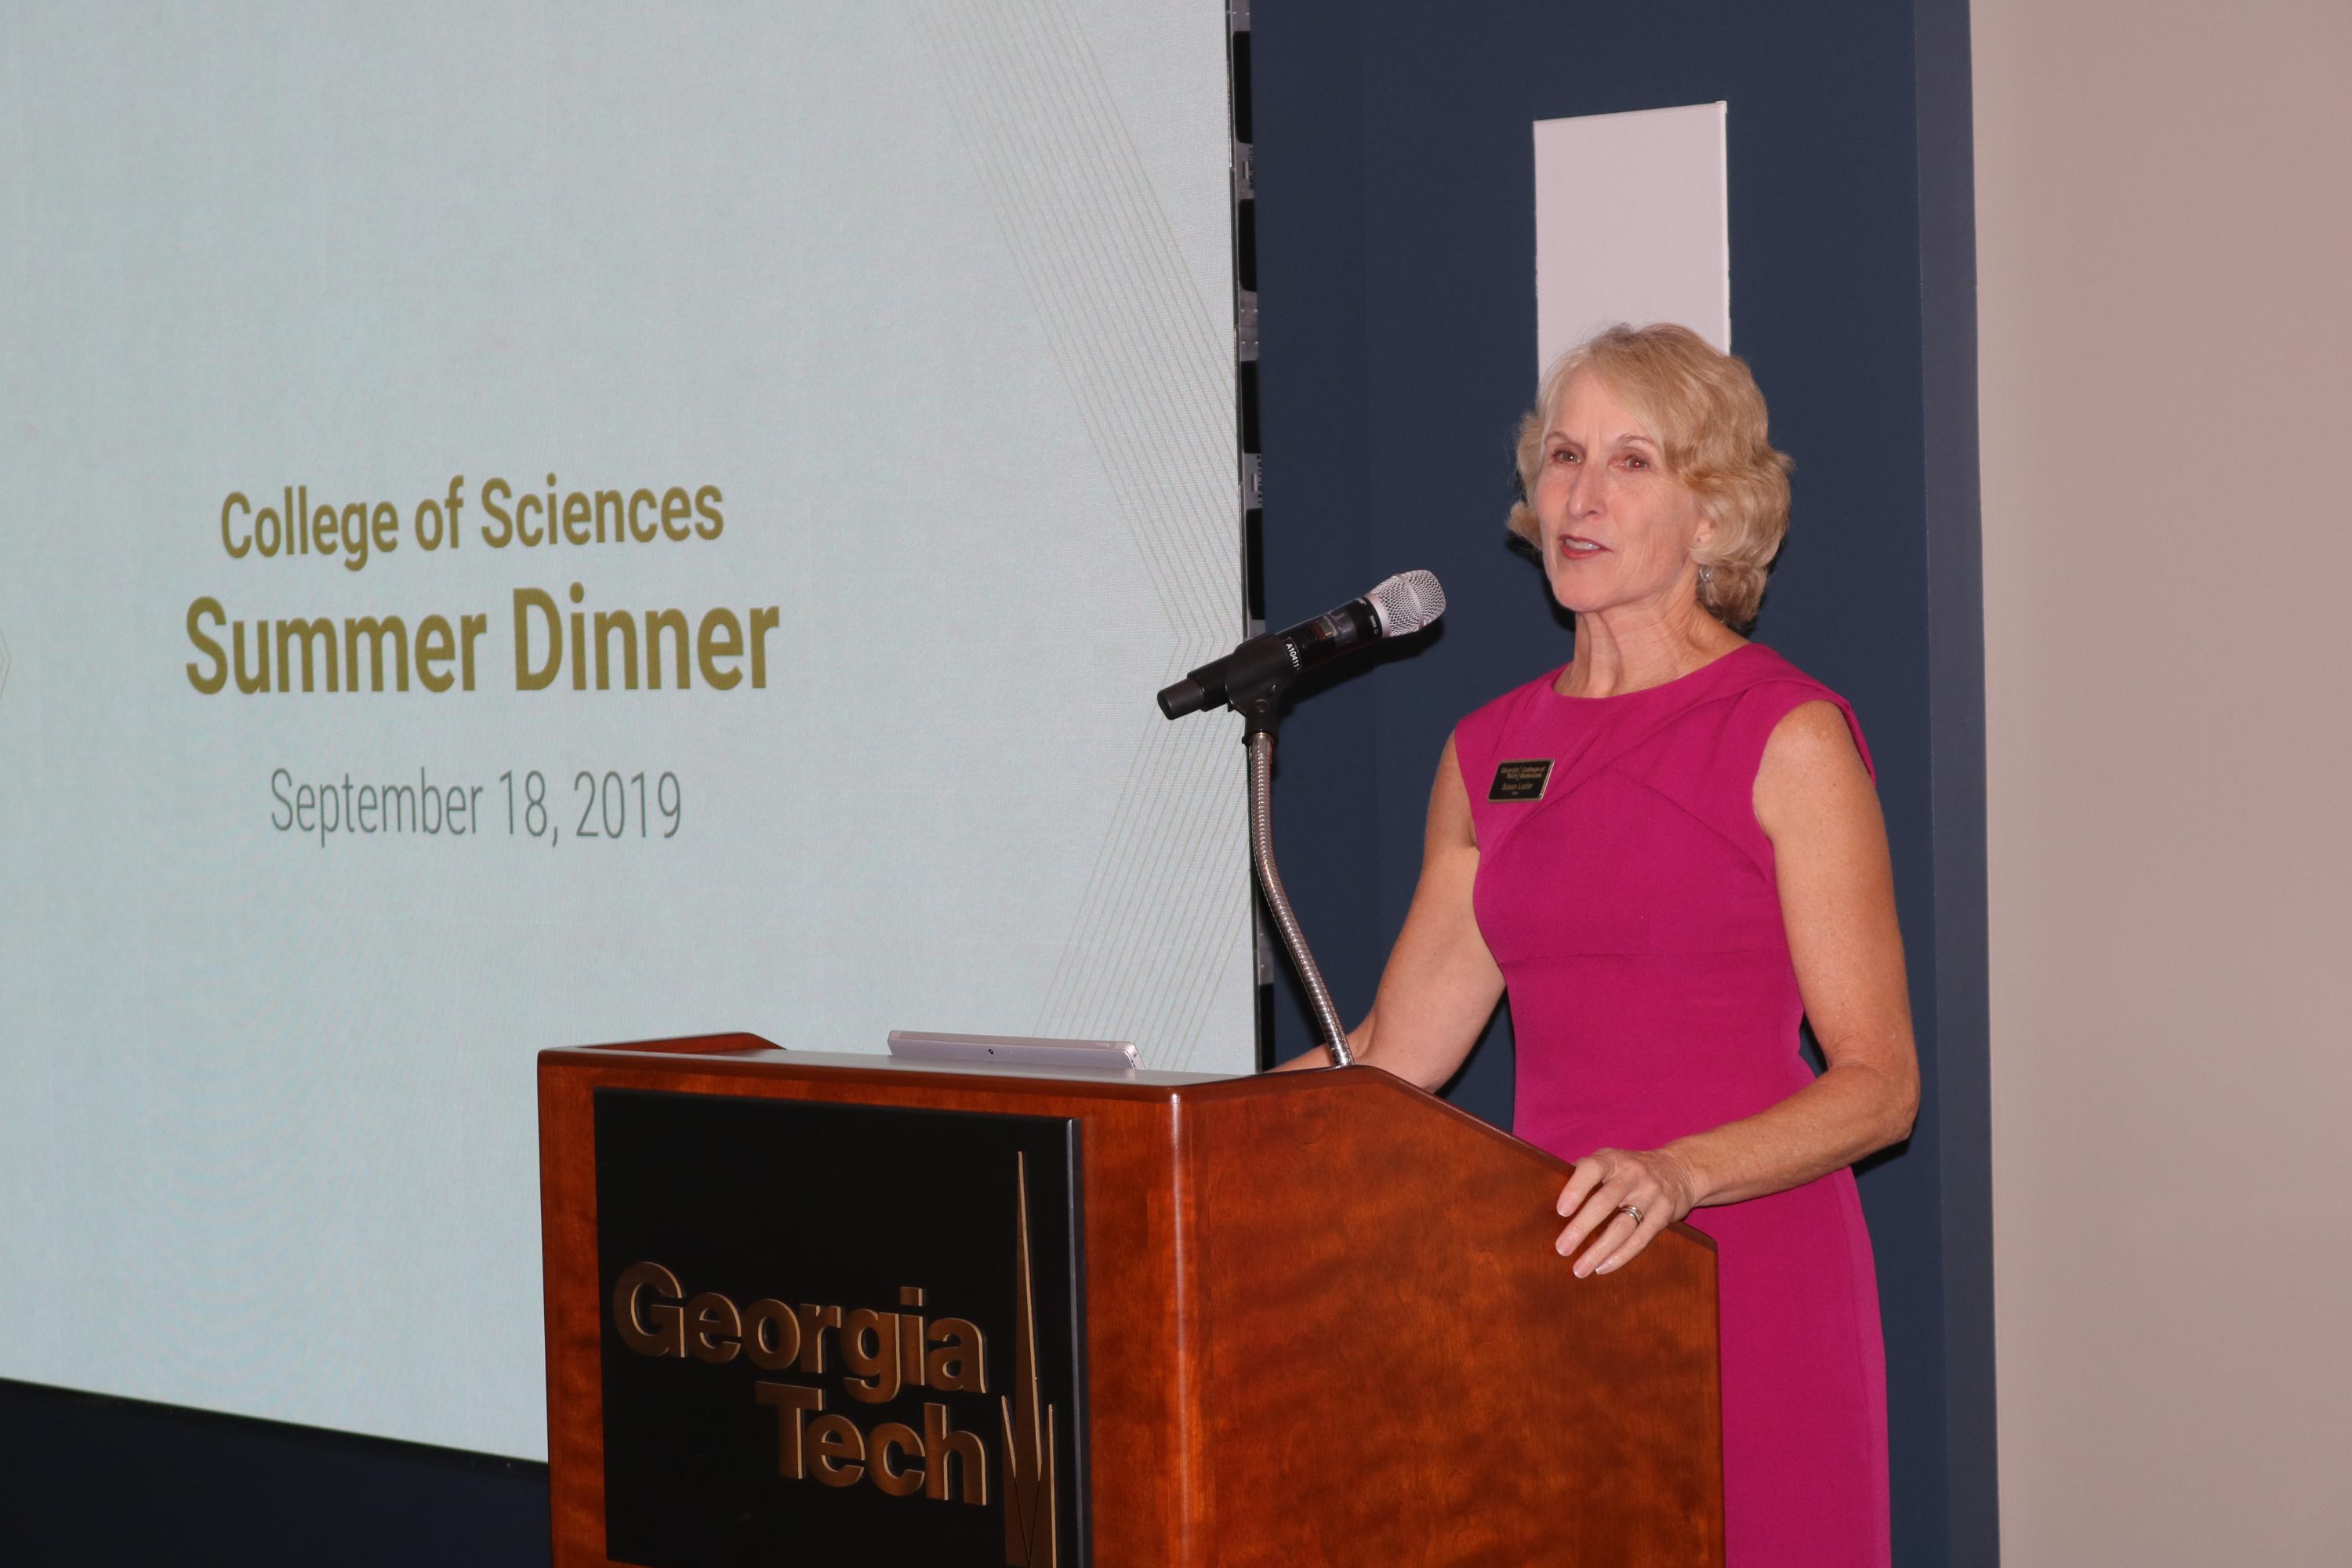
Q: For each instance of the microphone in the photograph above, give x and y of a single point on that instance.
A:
(1404, 604)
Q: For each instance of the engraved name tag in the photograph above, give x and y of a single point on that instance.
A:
(1520, 781)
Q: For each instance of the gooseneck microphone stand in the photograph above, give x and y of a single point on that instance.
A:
(1251, 680)
(1255, 694)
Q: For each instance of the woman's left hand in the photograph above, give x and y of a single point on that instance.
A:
(1656, 1184)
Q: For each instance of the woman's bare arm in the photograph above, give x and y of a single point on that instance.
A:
(1441, 985)
(1814, 801)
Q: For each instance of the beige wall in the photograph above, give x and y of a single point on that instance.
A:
(2164, 221)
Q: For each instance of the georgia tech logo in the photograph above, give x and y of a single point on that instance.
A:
(883, 1353)
(1029, 1513)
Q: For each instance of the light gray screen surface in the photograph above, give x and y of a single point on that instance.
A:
(912, 324)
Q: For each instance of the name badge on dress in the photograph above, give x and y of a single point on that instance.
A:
(1520, 780)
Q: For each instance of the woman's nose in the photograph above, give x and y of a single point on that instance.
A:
(1583, 491)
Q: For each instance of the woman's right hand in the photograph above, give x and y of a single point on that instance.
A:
(1359, 1043)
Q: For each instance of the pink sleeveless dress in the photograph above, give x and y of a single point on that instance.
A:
(1633, 912)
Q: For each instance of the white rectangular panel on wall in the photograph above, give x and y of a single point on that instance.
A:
(1631, 224)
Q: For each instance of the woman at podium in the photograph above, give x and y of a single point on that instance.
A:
(1669, 852)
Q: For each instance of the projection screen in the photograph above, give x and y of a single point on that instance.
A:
(530, 525)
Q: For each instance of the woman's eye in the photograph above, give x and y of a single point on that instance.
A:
(1635, 460)
(1562, 454)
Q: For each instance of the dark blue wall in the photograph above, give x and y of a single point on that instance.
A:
(89, 1480)
(1394, 178)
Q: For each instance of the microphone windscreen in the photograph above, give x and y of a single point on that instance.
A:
(1407, 602)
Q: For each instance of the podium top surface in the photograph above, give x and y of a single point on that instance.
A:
(742, 1051)
(832, 1074)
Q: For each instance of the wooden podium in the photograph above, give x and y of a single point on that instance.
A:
(1302, 1319)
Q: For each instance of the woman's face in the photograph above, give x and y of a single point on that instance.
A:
(1617, 530)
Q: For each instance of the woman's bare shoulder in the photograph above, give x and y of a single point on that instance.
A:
(1812, 769)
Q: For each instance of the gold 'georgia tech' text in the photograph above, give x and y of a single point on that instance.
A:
(883, 1352)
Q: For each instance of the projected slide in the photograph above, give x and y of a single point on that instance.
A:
(532, 526)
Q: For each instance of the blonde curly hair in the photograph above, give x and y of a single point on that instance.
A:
(1708, 414)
